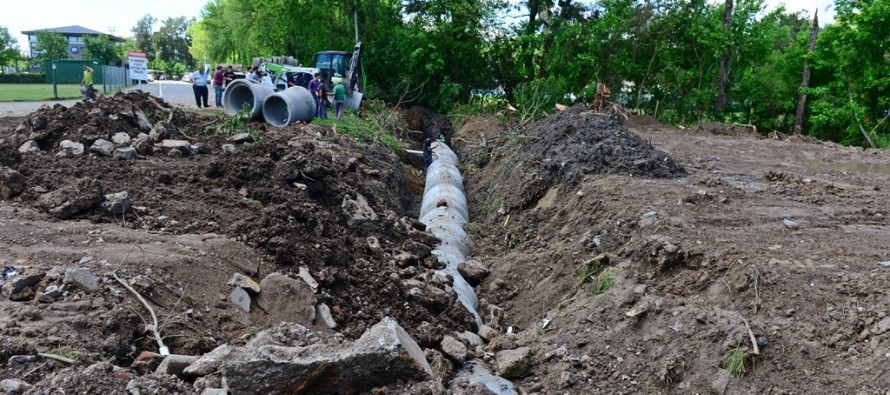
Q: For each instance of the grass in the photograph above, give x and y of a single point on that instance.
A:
(362, 130)
(37, 92)
(598, 272)
(735, 361)
(603, 281)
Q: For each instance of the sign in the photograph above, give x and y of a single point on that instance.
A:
(138, 65)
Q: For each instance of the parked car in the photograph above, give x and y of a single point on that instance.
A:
(187, 77)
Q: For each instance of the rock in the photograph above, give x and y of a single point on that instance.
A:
(55, 273)
(720, 381)
(882, 326)
(204, 148)
(143, 146)
(358, 209)
(790, 224)
(471, 338)
(513, 363)
(142, 120)
(441, 366)
(83, 278)
(102, 147)
(117, 203)
(242, 138)
(488, 333)
(121, 139)
(19, 283)
(71, 147)
(323, 313)
(14, 387)
(29, 147)
(454, 349)
(54, 291)
(290, 299)
(158, 133)
(174, 364)
(69, 201)
(374, 245)
(208, 363)
(242, 281)
(307, 277)
(128, 153)
(182, 146)
(214, 391)
(385, 354)
(240, 298)
(12, 183)
(473, 271)
(147, 362)
(229, 148)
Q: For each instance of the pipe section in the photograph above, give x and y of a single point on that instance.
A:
(288, 106)
(245, 92)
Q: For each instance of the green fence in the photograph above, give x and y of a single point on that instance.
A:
(71, 71)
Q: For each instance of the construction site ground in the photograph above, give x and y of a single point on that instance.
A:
(629, 256)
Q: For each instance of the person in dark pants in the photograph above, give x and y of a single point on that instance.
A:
(218, 85)
(313, 90)
(428, 151)
(322, 93)
(199, 85)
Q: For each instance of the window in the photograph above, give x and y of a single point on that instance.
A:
(32, 37)
(73, 39)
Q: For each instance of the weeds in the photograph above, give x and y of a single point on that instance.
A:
(362, 130)
(596, 271)
(472, 228)
(735, 361)
(236, 124)
(603, 281)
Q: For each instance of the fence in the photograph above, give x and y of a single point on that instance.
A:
(114, 78)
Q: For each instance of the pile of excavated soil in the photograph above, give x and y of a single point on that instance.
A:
(731, 130)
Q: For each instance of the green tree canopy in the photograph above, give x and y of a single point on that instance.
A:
(142, 34)
(9, 48)
(51, 45)
(102, 48)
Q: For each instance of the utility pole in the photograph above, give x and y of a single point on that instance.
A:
(355, 17)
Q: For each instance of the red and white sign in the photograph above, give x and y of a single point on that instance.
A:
(138, 65)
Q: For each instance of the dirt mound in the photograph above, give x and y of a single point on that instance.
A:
(566, 147)
(476, 138)
(426, 120)
(724, 129)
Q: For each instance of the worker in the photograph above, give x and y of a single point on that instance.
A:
(266, 80)
(218, 85)
(199, 86)
(322, 93)
(87, 83)
(339, 99)
(313, 90)
(228, 77)
(428, 149)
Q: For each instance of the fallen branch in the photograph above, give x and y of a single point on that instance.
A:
(756, 350)
(55, 357)
(153, 327)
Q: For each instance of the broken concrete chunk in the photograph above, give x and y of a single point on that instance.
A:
(513, 363)
(12, 183)
(158, 133)
(242, 281)
(102, 147)
(128, 153)
(117, 203)
(473, 271)
(144, 124)
(323, 313)
(288, 298)
(68, 201)
(83, 278)
(121, 139)
(488, 333)
(29, 147)
(454, 349)
(184, 147)
(384, 354)
(242, 138)
(175, 364)
(358, 209)
(14, 387)
(229, 148)
(19, 283)
(374, 245)
(72, 148)
(307, 277)
(208, 363)
(54, 291)
(214, 391)
(240, 298)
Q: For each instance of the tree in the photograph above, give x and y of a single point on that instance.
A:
(9, 49)
(51, 45)
(102, 48)
(805, 83)
(172, 40)
(726, 59)
(142, 33)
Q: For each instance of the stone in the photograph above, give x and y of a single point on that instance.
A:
(513, 363)
(142, 120)
(358, 209)
(121, 139)
(229, 148)
(882, 326)
(471, 338)
(174, 364)
(385, 354)
(29, 147)
(453, 349)
(242, 281)
(14, 387)
(19, 283)
(127, 153)
(54, 291)
(374, 245)
(147, 362)
(307, 277)
(720, 381)
(72, 148)
(117, 203)
(143, 146)
(102, 147)
(473, 271)
(208, 363)
(12, 183)
(82, 278)
(204, 148)
(184, 147)
(240, 298)
(69, 201)
(242, 138)
(158, 133)
(488, 333)
(214, 391)
(287, 298)
(323, 313)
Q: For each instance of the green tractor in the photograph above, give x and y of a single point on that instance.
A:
(335, 66)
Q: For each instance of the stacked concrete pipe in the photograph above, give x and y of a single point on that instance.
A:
(245, 92)
(288, 106)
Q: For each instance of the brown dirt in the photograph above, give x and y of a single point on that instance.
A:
(714, 255)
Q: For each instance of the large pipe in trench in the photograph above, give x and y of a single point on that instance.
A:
(244, 92)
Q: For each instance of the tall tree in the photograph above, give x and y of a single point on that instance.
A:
(143, 32)
(172, 40)
(726, 58)
(51, 45)
(9, 49)
(102, 48)
(805, 83)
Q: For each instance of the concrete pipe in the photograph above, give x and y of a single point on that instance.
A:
(288, 106)
(245, 92)
(441, 173)
(448, 196)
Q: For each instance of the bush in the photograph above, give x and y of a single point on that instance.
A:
(536, 98)
(22, 78)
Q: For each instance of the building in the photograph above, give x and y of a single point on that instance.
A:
(75, 35)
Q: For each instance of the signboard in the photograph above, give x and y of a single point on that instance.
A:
(138, 65)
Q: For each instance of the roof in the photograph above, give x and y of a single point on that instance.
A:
(74, 30)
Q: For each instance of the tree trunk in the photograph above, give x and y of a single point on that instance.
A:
(530, 29)
(726, 60)
(802, 100)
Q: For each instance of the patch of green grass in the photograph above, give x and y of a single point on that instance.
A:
(598, 272)
(362, 130)
(495, 204)
(188, 299)
(37, 92)
(472, 228)
(235, 124)
(735, 361)
(604, 280)
(67, 352)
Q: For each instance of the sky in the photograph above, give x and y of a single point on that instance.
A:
(118, 17)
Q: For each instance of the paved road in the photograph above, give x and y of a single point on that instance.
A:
(174, 92)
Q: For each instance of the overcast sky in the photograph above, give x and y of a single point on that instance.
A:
(118, 17)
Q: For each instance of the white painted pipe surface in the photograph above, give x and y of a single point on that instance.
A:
(245, 92)
(288, 106)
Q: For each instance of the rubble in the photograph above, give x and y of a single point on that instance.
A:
(12, 183)
(242, 281)
(240, 298)
(117, 203)
(513, 363)
(102, 147)
(82, 278)
(289, 298)
(72, 148)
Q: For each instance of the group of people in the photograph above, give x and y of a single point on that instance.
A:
(201, 80)
(319, 90)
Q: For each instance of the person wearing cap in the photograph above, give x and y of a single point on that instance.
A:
(87, 82)
(199, 86)
(428, 149)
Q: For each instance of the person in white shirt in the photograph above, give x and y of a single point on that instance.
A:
(199, 86)
(267, 80)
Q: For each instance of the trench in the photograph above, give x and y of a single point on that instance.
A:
(444, 211)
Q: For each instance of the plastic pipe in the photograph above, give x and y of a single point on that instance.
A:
(245, 92)
(288, 106)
